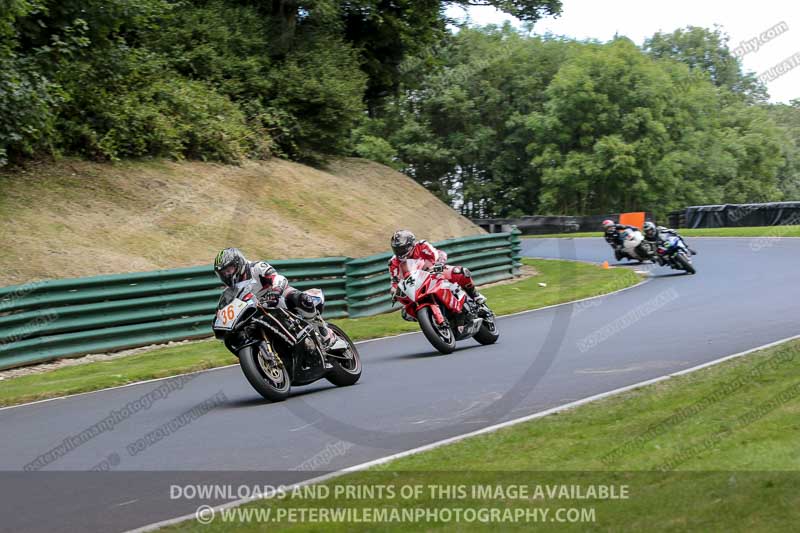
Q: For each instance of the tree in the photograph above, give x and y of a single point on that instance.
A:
(787, 118)
(622, 132)
(706, 50)
(458, 129)
(511, 124)
(388, 32)
(525, 10)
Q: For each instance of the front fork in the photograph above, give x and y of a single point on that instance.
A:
(269, 360)
(436, 311)
(271, 357)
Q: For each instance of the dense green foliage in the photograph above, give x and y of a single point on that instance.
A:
(706, 51)
(788, 119)
(207, 79)
(510, 124)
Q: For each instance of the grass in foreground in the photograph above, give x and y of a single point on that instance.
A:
(565, 281)
(764, 231)
(715, 450)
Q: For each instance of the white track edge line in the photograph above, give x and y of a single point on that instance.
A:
(464, 436)
(642, 282)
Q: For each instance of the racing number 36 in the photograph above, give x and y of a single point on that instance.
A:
(226, 314)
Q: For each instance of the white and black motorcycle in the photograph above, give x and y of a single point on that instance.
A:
(635, 247)
(278, 348)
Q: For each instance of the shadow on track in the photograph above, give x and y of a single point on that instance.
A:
(669, 274)
(257, 401)
(433, 354)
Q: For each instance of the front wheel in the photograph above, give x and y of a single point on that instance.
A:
(441, 337)
(684, 263)
(488, 333)
(346, 367)
(265, 372)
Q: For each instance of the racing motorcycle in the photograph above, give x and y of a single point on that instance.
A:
(278, 348)
(445, 312)
(634, 246)
(673, 252)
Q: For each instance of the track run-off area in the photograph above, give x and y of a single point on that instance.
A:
(745, 295)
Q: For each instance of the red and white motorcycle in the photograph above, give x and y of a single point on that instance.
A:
(445, 312)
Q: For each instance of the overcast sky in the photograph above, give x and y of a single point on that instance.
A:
(638, 19)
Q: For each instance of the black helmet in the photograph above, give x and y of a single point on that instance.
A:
(403, 242)
(230, 266)
(649, 229)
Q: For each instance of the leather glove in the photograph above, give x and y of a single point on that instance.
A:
(271, 298)
(393, 292)
(437, 268)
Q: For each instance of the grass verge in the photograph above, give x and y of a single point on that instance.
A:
(82, 218)
(565, 281)
(763, 231)
(714, 450)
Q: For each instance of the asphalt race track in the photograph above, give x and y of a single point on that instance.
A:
(744, 295)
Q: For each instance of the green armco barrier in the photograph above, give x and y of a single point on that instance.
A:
(140, 284)
(45, 320)
(100, 340)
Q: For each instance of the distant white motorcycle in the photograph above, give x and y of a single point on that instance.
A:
(635, 247)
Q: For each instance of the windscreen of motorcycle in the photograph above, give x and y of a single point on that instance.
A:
(233, 301)
(316, 295)
(670, 242)
(226, 317)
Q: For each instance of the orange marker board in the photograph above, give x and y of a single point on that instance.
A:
(632, 219)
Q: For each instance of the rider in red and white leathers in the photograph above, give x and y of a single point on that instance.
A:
(405, 246)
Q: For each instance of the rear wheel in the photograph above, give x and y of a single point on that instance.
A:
(347, 366)
(684, 263)
(265, 372)
(441, 337)
(488, 333)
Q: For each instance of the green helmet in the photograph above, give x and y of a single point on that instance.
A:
(230, 266)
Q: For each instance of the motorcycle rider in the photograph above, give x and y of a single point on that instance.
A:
(405, 246)
(655, 234)
(613, 233)
(232, 267)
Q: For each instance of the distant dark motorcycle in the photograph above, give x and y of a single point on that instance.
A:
(278, 348)
(674, 253)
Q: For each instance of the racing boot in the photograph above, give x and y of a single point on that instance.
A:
(473, 293)
(330, 340)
